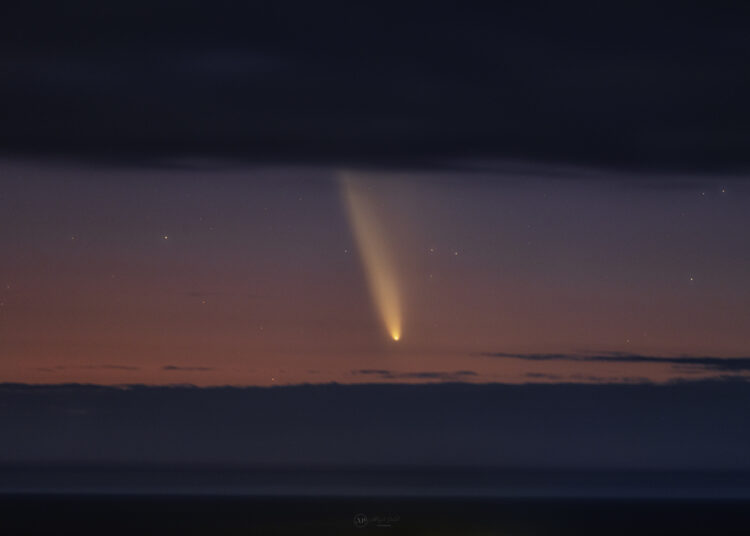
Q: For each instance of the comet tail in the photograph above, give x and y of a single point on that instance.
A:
(375, 254)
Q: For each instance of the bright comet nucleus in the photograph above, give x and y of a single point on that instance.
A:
(374, 251)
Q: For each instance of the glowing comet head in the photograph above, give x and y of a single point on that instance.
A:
(374, 252)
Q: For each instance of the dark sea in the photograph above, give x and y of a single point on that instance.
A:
(212, 500)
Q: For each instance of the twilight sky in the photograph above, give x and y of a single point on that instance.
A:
(224, 273)
(264, 195)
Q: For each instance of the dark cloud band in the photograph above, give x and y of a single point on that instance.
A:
(625, 88)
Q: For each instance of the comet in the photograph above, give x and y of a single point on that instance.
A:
(374, 251)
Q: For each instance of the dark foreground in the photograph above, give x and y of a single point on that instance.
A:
(104, 515)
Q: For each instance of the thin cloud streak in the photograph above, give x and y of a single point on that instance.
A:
(726, 364)
(88, 367)
(457, 375)
(186, 369)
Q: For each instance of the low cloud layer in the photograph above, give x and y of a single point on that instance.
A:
(696, 424)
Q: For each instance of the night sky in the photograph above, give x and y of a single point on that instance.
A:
(288, 193)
